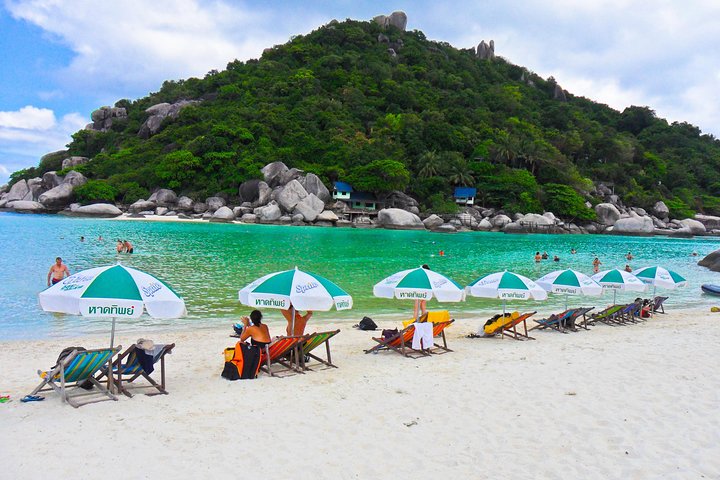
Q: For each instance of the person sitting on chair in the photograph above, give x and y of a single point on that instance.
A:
(255, 330)
(300, 321)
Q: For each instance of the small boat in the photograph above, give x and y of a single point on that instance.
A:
(711, 289)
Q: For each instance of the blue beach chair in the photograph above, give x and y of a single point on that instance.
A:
(127, 369)
(74, 370)
(555, 322)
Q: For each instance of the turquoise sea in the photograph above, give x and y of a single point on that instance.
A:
(208, 263)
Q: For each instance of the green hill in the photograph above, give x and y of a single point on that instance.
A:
(337, 103)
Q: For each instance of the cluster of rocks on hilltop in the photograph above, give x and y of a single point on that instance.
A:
(289, 196)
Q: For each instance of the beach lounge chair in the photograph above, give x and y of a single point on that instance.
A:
(437, 316)
(400, 342)
(439, 331)
(631, 313)
(511, 330)
(581, 312)
(314, 341)
(74, 370)
(555, 322)
(605, 316)
(282, 351)
(126, 369)
(658, 304)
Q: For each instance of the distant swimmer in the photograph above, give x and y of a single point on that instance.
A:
(120, 247)
(128, 246)
(627, 268)
(101, 239)
(545, 256)
(596, 265)
(538, 257)
(694, 254)
(441, 253)
(629, 256)
(573, 251)
(58, 271)
(556, 258)
(82, 239)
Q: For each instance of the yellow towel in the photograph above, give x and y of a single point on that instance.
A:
(433, 317)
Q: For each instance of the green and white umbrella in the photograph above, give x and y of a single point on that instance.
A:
(507, 286)
(619, 280)
(660, 277)
(295, 290)
(419, 284)
(569, 282)
(113, 292)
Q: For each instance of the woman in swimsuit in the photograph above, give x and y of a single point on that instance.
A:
(256, 331)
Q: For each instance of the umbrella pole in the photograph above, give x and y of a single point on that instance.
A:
(110, 386)
(614, 296)
(566, 295)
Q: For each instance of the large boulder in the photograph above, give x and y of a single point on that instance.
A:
(535, 219)
(327, 216)
(51, 180)
(71, 162)
(607, 213)
(399, 219)
(19, 191)
(142, 206)
(248, 191)
(484, 225)
(104, 117)
(248, 218)
(661, 210)
(184, 204)
(264, 195)
(309, 207)
(75, 179)
(695, 227)
(223, 214)
(710, 222)
(26, 206)
(57, 197)
(500, 221)
(396, 19)
(200, 207)
(314, 185)
(432, 222)
(164, 198)
(634, 225)
(398, 199)
(268, 213)
(214, 203)
(272, 173)
(98, 210)
(290, 175)
(486, 51)
(711, 261)
(290, 195)
(158, 113)
(36, 187)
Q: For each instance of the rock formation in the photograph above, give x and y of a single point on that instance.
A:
(104, 117)
(158, 113)
(396, 19)
(486, 51)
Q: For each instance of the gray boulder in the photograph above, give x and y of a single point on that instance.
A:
(141, 206)
(559, 94)
(74, 178)
(661, 210)
(396, 19)
(711, 261)
(290, 175)
(71, 162)
(164, 197)
(710, 222)
(272, 173)
(104, 117)
(535, 219)
(445, 228)
(185, 204)
(248, 218)
(213, 203)
(500, 221)
(36, 187)
(268, 213)
(486, 51)
(514, 227)
(695, 227)
(327, 216)
(607, 213)
(223, 214)
(57, 197)
(397, 199)
(432, 222)
(51, 180)
(396, 218)
(26, 206)
(634, 225)
(160, 211)
(98, 210)
(248, 191)
(309, 207)
(285, 220)
(340, 206)
(639, 211)
(485, 225)
(291, 195)
(298, 219)
(200, 207)
(314, 185)
(264, 195)
(19, 191)
(158, 113)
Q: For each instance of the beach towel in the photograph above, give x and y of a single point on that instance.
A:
(423, 333)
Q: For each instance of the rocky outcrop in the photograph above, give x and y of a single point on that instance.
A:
(184, 204)
(634, 225)
(104, 117)
(710, 222)
(75, 179)
(51, 180)
(268, 213)
(142, 206)
(711, 261)
(272, 173)
(214, 203)
(396, 19)
(559, 94)
(486, 51)
(433, 221)
(164, 198)
(309, 207)
(248, 191)
(223, 214)
(27, 206)
(327, 216)
(264, 195)
(291, 195)
(484, 225)
(535, 219)
(158, 113)
(71, 162)
(19, 191)
(695, 227)
(607, 213)
(314, 185)
(62, 195)
(200, 207)
(500, 221)
(397, 199)
(398, 219)
(98, 210)
(661, 211)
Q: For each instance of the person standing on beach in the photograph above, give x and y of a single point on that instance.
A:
(58, 271)
(596, 265)
(300, 321)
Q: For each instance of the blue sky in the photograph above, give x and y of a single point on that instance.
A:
(63, 59)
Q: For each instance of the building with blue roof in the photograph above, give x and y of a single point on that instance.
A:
(465, 195)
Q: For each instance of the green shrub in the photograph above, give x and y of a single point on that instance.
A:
(96, 191)
(565, 202)
(679, 209)
(440, 203)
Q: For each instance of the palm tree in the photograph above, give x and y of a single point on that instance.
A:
(429, 163)
(505, 148)
(461, 175)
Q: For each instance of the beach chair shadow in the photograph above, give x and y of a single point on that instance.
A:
(283, 353)
(400, 342)
(74, 370)
(313, 342)
(127, 368)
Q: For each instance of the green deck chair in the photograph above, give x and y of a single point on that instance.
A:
(313, 342)
(74, 370)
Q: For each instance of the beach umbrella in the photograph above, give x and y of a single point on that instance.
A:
(419, 284)
(619, 280)
(660, 277)
(507, 286)
(113, 291)
(294, 290)
(569, 282)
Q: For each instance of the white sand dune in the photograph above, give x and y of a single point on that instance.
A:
(632, 402)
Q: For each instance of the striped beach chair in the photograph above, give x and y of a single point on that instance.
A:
(314, 341)
(439, 331)
(74, 370)
(282, 351)
(400, 343)
(127, 369)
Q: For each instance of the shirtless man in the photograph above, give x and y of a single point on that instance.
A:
(58, 271)
(300, 321)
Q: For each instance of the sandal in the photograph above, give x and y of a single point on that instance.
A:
(4, 398)
(32, 398)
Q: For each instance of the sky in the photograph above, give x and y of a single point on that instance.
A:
(60, 60)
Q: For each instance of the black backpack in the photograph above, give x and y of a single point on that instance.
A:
(367, 324)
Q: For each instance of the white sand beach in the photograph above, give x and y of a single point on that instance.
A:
(634, 402)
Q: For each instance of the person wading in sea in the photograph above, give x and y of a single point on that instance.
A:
(58, 271)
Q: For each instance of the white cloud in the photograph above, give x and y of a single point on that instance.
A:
(4, 172)
(28, 118)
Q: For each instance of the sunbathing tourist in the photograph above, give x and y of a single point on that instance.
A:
(255, 330)
(300, 321)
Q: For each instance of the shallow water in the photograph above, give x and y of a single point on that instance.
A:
(208, 263)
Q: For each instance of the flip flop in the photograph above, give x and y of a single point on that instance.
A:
(32, 398)
(4, 398)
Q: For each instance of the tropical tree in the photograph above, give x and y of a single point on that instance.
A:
(429, 164)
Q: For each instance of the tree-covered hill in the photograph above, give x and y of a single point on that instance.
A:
(422, 118)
